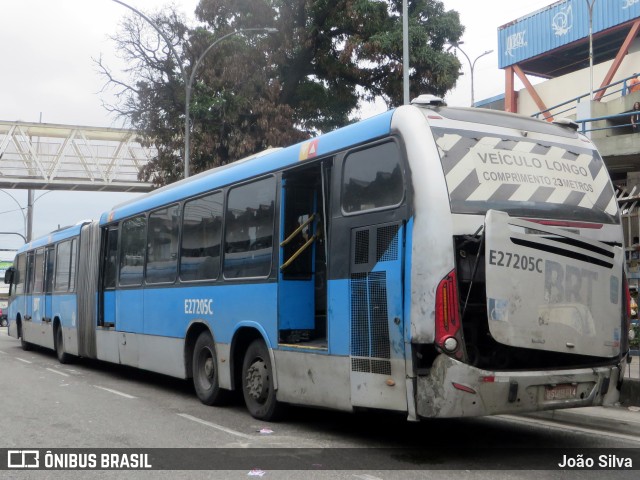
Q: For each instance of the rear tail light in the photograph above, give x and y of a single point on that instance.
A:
(448, 332)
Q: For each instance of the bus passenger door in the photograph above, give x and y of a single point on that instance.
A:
(366, 267)
(49, 261)
(302, 287)
(37, 297)
(28, 288)
(129, 296)
(107, 316)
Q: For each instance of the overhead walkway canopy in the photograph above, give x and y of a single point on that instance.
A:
(554, 41)
(69, 157)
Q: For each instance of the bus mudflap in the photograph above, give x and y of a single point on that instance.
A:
(455, 389)
(550, 289)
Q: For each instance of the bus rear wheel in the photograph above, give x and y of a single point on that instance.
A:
(58, 342)
(257, 383)
(205, 371)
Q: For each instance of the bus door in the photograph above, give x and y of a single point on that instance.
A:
(38, 301)
(366, 265)
(49, 261)
(107, 301)
(302, 304)
(129, 296)
(28, 288)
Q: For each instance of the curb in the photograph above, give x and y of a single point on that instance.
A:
(610, 419)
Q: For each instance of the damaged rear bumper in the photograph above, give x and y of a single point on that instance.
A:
(455, 389)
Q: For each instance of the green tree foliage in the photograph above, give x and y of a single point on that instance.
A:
(253, 90)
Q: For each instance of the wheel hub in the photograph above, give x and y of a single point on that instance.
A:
(208, 368)
(257, 380)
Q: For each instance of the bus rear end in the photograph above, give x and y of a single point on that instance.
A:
(518, 296)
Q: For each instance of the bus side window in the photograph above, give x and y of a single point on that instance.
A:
(61, 281)
(132, 250)
(49, 272)
(372, 179)
(38, 282)
(162, 245)
(21, 274)
(72, 265)
(249, 229)
(201, 238)
(111, 259)
(30, 270)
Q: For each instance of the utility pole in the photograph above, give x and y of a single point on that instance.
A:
(29, 214)
(590, 4)
(405, 51)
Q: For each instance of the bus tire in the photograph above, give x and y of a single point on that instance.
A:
(58, 343)
(26, 346)
(205, 371)
(257, 383)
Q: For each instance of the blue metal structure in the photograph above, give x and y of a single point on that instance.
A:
(559, 25)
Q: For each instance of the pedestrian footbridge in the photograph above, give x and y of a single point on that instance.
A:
(70, 157)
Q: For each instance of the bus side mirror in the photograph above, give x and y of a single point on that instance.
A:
(8, 275)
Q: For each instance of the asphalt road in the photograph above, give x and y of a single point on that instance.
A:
(90, 404)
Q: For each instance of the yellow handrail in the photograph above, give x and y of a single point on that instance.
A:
(297, 254)
(298, 230)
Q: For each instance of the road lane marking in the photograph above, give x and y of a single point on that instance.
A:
(58, 372)
(216, 426)
(125, 395)
(569, 427)
(23, 360)
(4, 353)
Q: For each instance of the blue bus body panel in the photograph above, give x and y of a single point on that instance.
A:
(338, 316)
(18, 305)
(38, 307)
(296, 307)
(340, 307)
(168, 312)
(130, 310)
(393, 274)
(65, 307)
(355, 134)
(53, 237)
(109, 300)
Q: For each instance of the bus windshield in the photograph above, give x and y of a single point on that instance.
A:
(525, 177)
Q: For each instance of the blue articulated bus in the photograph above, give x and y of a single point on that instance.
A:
(43, 292)
(440, 262)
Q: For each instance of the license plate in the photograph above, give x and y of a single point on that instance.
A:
(561, 392)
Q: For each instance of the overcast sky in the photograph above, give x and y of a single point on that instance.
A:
(48, 74)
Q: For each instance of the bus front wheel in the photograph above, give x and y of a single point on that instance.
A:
(63, 357)
(257, 383)
(205, 371)
(23, 343)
